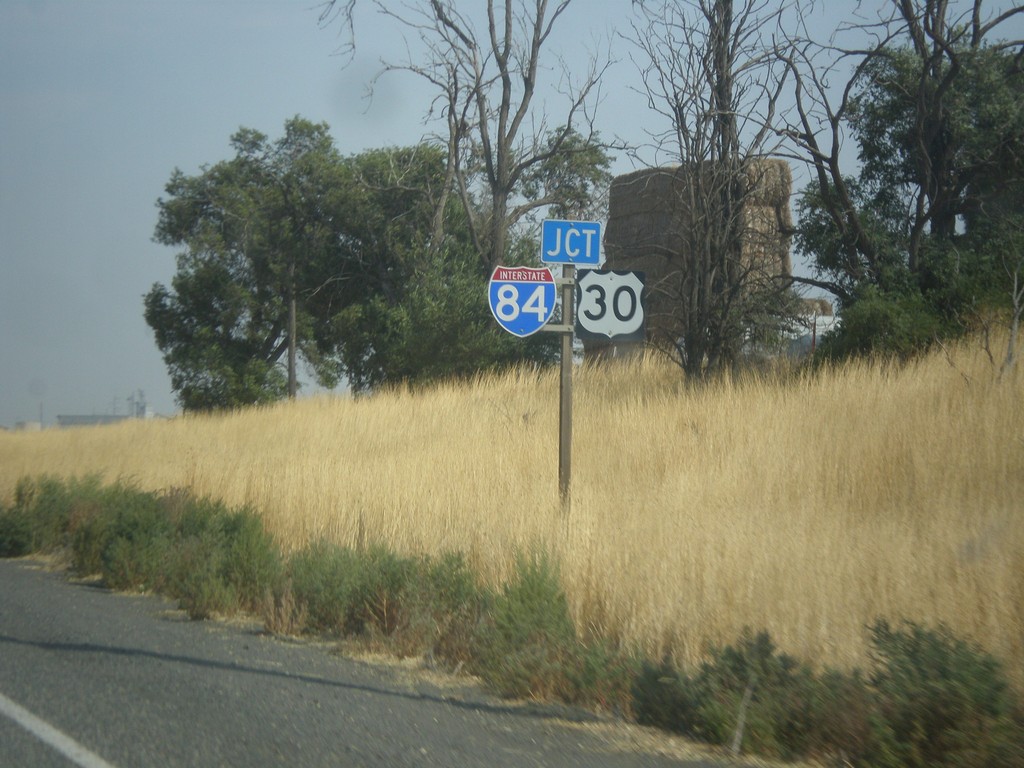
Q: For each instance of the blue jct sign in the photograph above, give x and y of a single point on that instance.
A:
(570, 242)
(522, 298)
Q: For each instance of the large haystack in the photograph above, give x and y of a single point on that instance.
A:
(649, 210)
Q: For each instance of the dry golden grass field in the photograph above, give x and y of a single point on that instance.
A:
(808, 504)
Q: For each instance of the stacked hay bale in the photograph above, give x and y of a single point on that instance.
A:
(651, 210)
(768, 223)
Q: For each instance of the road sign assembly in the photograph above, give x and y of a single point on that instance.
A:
(570, 242)
(522, 298)
(610, 305)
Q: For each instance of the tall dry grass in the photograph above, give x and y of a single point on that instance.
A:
(808, 505)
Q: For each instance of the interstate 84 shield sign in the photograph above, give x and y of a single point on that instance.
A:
(522, 298)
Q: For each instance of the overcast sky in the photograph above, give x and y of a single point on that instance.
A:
(101, 99)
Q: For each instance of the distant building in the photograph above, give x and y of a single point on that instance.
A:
(137, 409)
(818, 318)
(64, 421)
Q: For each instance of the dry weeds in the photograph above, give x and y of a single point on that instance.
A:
(807, 505)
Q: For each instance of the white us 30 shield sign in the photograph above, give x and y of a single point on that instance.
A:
(609, 305)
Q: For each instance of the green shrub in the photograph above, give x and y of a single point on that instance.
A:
(16, 532)
(209, 557)
(221, 561)
(323, 581)
(527, 645)
(449, 583)
(422, 606)
(785, 709)
(121, 533)
(897, 324)
(193, 516)
(941, 702)
(253, 565)
(196, 576)
(42, 515)
(196, 558)
(352, 593)
(48, 501)
(138, 537)
(89, 534)
(777, 716)
(661, 698)
(445, 607)
(94, 522)
(604, 677)
(841, 715)
(380, 591)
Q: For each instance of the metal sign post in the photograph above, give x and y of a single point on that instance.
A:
(565, 391)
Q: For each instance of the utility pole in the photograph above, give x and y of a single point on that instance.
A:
(292, 382)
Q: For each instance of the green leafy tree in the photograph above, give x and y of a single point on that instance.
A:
(925, 235)
(426, 315)
(214, 336)
(292, 251)
(263, 254)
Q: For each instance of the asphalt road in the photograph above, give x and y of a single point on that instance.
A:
(93, 679)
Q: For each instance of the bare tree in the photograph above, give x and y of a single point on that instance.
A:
(938, 174)
(340, 13)
(707, 68)
(506, 157)
(1016, 274)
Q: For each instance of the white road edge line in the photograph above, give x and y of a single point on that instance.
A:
(45, 732)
